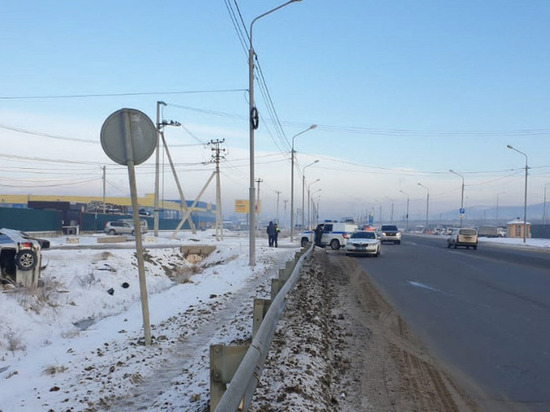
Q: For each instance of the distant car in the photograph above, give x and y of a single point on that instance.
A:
(19, 251)
(363, 243)
(390, 233)
(123, 227)
(463, 237)
(143, 223)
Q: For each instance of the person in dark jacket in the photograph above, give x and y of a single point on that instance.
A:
(318, 235)
(271, 232)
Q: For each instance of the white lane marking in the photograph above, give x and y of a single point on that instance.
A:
(423, 286)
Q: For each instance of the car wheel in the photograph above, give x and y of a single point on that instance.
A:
(112, 232)
(26, 259)
(133, 233)
(398, 242)
(448, 245)
(304, 241)
(334, 244)
(475, 247)
(456, 245)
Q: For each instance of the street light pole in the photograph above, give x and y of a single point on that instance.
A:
(254, 123)
(309, 203)
(427, 203)
(292, 152)
(304, 189)
(407, 217)
(461, 197)
(524, 192)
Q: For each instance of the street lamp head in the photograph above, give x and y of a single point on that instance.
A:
(313, 126)
(509, 146)
(317, 161)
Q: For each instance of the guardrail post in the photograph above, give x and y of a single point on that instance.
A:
(224, 361)
(261, 306)
(283, 274)
(276, 286)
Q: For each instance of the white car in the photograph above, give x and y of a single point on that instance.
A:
(466, 237)
(363, 243)
(19, 253)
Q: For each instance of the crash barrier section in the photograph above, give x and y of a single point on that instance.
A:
(235, 370)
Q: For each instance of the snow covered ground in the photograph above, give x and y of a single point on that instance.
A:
(77, 343)
(518, 242)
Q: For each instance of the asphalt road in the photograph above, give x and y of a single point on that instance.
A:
(484, 313)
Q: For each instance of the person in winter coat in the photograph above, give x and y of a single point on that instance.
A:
(271, 232)
(318, 235)
(276, 238)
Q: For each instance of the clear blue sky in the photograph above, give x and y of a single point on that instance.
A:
(401, 92)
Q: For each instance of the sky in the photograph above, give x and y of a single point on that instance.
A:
(74, 343)
(401, 93)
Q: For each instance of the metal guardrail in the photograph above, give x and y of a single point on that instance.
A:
(243, 382)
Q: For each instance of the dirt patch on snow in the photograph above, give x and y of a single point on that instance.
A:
(341, 346)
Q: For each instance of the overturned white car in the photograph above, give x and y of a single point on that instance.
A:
(20, 257)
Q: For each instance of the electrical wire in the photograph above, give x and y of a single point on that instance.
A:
(86, 96)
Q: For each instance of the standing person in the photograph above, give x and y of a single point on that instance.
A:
(276, 238)
(318, 235)
(271, 233)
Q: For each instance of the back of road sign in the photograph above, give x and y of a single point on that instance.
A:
(128, 135)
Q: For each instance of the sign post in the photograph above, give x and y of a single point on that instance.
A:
(129, 138)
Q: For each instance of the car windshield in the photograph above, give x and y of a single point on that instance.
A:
(363, 235)
(389, 228)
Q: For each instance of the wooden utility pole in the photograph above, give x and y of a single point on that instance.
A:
(216, 158)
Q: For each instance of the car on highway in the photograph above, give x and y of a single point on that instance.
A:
(390, 233)
(363, 243)
(462, 237)
(19, 252)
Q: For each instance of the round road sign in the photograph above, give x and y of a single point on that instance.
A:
(128, 135)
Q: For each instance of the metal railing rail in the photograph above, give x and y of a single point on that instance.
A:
(239, 392)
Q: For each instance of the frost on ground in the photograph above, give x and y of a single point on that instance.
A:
(76, 344)
(341, 347)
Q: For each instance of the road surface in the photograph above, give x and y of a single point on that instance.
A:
(485, 313)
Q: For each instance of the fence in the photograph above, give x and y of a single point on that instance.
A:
(241, 366)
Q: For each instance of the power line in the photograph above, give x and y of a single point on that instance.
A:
(73, 139)
(84, 96)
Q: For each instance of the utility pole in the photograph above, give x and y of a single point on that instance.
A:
(156, 215)
(278, 194)
(258, 206)
(105, 178)
(216, 158)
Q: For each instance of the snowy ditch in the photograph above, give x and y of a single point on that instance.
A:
(75, 345)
